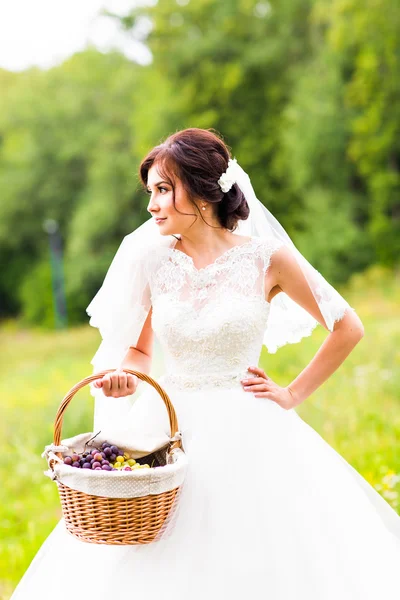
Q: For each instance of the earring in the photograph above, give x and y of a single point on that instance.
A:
(203, 207)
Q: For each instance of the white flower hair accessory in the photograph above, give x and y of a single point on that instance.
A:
(228, 178)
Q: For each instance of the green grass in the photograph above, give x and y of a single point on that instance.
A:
(357, 411)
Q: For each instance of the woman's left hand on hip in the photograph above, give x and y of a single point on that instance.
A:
(262, 386)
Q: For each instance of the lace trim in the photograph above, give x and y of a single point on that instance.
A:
(219, 259)
(205, 381)
(295, 335)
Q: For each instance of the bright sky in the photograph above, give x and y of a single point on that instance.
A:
(46, 32)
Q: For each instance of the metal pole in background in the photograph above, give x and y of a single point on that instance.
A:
(50, 226)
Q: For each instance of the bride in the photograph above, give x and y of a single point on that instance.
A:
(268, 509)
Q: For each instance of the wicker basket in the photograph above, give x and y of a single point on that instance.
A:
(95, 515)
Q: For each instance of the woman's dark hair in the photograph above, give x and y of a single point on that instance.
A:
(198, 157)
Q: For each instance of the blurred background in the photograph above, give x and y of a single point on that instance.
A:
(306, 93)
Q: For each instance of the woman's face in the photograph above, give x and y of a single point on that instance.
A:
(161, 205)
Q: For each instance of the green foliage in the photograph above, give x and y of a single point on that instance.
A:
(315, 131)
(36, 296)
(362, 37)
(67, 153)
(305, 93)
(329, 238)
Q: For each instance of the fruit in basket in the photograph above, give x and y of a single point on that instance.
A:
(106, 458)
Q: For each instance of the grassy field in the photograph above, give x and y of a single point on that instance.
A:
(357, 411)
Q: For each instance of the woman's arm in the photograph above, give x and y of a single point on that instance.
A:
(285, 273)
(136, 361)
(139, 357)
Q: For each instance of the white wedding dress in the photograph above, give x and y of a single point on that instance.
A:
(268, 510)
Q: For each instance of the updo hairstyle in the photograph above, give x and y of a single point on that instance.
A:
(198, 157)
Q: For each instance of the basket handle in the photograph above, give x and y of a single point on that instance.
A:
(173, 421)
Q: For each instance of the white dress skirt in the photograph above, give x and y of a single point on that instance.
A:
(268, 511)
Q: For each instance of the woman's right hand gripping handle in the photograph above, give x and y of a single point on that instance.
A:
(117, 384)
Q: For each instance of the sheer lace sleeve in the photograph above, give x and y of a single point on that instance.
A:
(269, 247)
(288, 322)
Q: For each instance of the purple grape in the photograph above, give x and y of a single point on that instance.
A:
(115, 450)
(94, 451)
(112, 457)
(76, 464)
(98, 469)
(114, 469)
(96, 464)
(68, 460)
(106, 468)
(86, 465)
(75, 457)
(89, 459)
(104, 444)
(92, 461)
(107, 451)
(104, 462)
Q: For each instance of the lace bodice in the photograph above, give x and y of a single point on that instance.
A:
(210, 321)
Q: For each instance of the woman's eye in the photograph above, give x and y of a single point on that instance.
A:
(160, 188)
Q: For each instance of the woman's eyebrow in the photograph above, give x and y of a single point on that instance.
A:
(158, 183)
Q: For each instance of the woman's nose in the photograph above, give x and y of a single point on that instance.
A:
(152, 207)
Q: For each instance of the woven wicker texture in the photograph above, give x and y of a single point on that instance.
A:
(115, 521)
(119, 507)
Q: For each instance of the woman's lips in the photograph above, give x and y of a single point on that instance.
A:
(160, 220)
